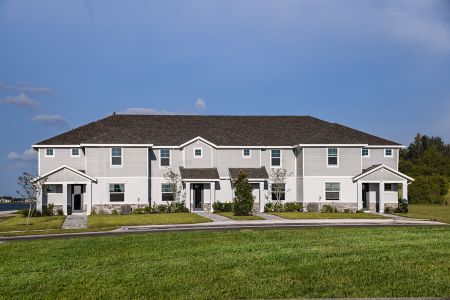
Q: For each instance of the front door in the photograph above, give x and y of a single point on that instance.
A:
(77, 197)
(198, 196)
(365, 191)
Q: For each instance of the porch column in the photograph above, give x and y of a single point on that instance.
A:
(359, 195)
(88, 200)
(261, 197)
(405, 190)
(212, 197)
(188, 195)
(65, 197)
(381, 197)
(40, 199)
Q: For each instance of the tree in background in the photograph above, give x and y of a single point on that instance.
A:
(427, 159)
(30, 191)
(243, 198)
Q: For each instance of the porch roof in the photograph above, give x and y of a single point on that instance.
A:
(252, 173)
(382, 172)
(199, 174)
(64, 173)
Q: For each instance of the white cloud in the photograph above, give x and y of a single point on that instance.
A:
(146, 111)
(200, 103)
(25, 87)
(27, 155)
(21, 100)
(52, 120)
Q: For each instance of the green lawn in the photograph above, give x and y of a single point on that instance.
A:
(325, 262)
(19, 223)
(310, 215)
(239, 218)
(439, 213)
(98, 221)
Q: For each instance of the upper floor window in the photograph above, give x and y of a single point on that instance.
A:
(49, 152)
(164, 157)
(116, 156)
(365, 152)
(116, 192)
(246, 153)
(275, 158)
(198, 152)
(332, 156)
(388, 152)
(332, 190)
(75, 152)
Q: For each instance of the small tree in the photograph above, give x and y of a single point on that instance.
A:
(176, 186)
(277, 185)
(30, 191)
(243, 198)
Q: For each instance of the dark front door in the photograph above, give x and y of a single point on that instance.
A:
(198, 196)
(77, 198)
(77, 202)
(365, 190)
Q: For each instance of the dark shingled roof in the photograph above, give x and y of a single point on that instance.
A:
(174, 130)
(199, 173)
(255, 173)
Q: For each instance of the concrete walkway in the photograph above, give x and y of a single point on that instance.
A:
(268, 216)
(212, 217)
(75, 221)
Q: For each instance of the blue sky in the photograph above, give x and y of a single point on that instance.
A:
(379, 66)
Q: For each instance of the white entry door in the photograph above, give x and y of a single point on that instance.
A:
(255, 193)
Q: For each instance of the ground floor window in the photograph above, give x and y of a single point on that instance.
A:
(390, 187)
(116, 192)
(166, 192)
(332, 190)
(278, 191)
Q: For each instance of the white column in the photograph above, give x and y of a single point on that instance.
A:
(188, 195)
(262, 201)
(381, 197)
(88, 198)
(64, 196)
(40, 200)
(359, 196)
(405, 190)
(212, 197)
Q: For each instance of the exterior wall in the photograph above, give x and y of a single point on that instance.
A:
(206, 161)
(376, 156)
(136, 191)
(157, 171)
(134, 163)
(382, 175)
(61, 157)
(66, 175)
(224, 192)
(315, 162)
(233, 158)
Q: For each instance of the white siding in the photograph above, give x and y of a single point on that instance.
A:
(61, 157)
(134, 163)
(314, 190)
(377, 157)
(232, 158)
(316, 162)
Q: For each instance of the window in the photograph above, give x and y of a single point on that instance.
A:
(49, 152)
(53, 188)
(198, 152)
(166, 192)
(246, 153)
(388, 152)
(75, 152)
(276, 158)
(365, 152)
(116, 156)
(332, 190)
(278, 189)
(388, 187)
(332, 156)
(116, 192)
(164, 157)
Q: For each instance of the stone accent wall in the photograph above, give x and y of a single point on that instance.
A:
(391, 205)
(108, 208)
(317, 206)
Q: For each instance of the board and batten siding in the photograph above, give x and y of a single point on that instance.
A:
(376, 156)
(176, 161)
(316, 162)
(198, 162)
(61, 157)
(134, 162)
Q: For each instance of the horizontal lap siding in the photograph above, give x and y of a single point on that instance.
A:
(377, 157)
(195, 162)
(232, 158)
(62, 157)
(315, 162)
(176, 162)
(134, 162)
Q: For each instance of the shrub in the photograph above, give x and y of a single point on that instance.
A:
(293, 206)
(278, 207)
(222, 206)
(402, 207)
(102, 212)
(93, 211)
(115, 212)
(138, 211)
(387, 210)
(243, 199)
(160, 208)
(347, 210)
(180, 207)
(360, 211)
(24, 212)
(49, 210)
(326, 208)
(268, 207)
(60, 212)
(148, 210)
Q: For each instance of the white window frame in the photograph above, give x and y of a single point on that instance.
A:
(71, 152)
(281, 159)
(368, 152)
(249, 153)
(53, 152)
(392, 152)
(325, 191)
(111, 156)
(162, 184)
(391, 190)
(109, 193)
(201, 152)
(170, 158)
(337, 156)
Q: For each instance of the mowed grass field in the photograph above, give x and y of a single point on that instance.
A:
(439, 213)
(319, 262)
(312, 215)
